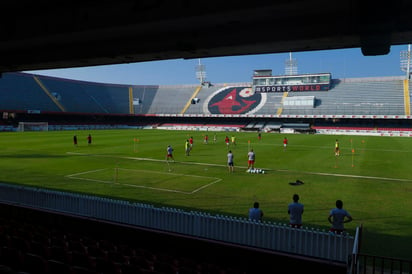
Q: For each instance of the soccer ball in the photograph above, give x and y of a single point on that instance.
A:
(255, 171)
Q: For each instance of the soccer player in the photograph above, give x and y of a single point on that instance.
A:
(285, 143)
(227, 141)
(251, 159)
(89, 139)
(187, 148)
(191, 142)
(206, 139)
(233, 140)
(169, 154)
(337, 150)
(75, 140)
(230, 163)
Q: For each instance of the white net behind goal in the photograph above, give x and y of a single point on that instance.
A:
(33, 126)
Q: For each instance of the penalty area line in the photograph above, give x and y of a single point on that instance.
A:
(160, 172)
(205, 186)
(216, 180)
(86, 172)
(75, 176)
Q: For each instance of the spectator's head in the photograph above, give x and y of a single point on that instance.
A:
(295, 197)
(256, 205)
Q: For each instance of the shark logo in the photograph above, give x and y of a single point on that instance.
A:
(234, 100)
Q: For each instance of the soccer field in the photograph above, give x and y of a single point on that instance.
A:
(372, 175)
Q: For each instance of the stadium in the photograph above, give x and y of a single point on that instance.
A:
(304, 105)
(88, 185)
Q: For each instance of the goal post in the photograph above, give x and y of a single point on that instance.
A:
(33, 126)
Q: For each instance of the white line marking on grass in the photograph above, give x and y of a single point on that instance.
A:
(73, 176)
(205, 186)
(215, 180)
(174, 190)
(92, 180)
(86, 172)
(158, 188)
(278, 170)
(143, 159)
(343, 148)
(177, 174)
(347, 175)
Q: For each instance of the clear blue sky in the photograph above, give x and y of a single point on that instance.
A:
(347, 63)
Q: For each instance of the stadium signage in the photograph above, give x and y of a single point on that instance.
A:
(291, 88)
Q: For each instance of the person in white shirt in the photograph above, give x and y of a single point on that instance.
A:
(230, 162)
(251, 159)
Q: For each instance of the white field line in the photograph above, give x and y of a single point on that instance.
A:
(92, 180)
(76, 176)
(86, 172)
(348, 176)
(215, 180)
(174, 190)
(276, 170)
(347, 148)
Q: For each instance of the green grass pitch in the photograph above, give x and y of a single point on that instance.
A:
(372, 175)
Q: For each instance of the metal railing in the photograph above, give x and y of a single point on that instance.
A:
(266, 235)
(371, 264)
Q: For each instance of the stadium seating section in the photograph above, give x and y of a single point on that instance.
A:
(42, 242)
(26, 92)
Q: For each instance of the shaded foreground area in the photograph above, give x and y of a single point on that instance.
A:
(45, 242)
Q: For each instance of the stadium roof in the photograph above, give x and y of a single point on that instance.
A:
(47, 34)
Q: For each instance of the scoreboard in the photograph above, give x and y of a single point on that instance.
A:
(264, 82)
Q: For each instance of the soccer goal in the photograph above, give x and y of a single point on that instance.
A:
(33, 126)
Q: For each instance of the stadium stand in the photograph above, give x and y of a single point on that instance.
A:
(356, 97)
(202, 95)
(171, 99)
(82, 97)
(145, 96)
(21, 92)
(272, 105)
(382, 102)
(364, 96)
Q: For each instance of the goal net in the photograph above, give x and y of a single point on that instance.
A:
(33, 126)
